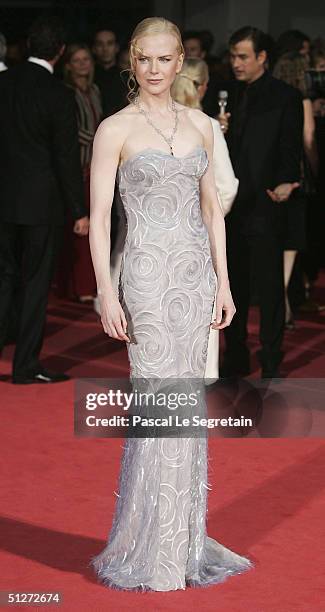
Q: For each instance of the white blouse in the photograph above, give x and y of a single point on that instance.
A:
(226, 182)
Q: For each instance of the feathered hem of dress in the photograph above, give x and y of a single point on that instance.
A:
(192, 583)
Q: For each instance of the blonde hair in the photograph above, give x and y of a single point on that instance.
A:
(69, 53)
(291, 69)
(147, 27)
(184, 90)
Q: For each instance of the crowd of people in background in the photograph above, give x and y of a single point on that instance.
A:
(96, 73)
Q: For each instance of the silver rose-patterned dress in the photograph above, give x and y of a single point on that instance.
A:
(158, 539)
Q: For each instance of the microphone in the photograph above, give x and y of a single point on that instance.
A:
(222, 101)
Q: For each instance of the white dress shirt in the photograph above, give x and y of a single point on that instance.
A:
(3, 67)
(42, 62)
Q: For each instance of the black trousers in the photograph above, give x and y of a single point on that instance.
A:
(27, 260)
(265, 253)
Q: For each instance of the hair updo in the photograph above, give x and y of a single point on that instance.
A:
(194, 73)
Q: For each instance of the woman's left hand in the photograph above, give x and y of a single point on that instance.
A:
(225, 308)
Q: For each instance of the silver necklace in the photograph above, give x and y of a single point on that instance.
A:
(147, 117)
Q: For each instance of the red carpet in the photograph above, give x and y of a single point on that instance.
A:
(267, 499)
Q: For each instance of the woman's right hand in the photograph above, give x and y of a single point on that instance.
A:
(112, 317)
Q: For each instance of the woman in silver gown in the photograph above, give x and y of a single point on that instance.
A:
(174, 253)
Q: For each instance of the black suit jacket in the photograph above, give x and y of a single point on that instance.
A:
(269, 150)
(39, 151)
(113, 89)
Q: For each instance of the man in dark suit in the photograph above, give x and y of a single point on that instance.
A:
(40, 176)
(265, 143)
(107, 73)
(113, 90)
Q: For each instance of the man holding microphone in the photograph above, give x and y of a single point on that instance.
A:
(264, 133)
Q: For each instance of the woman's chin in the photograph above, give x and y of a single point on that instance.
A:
(153, 89)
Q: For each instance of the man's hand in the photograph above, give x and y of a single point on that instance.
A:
(224, 122)
(282, 192)
(81, 226)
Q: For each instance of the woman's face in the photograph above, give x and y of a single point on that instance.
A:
(80, 64)
(158, 63)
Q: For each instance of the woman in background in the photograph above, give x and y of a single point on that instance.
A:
(291, 68)
(189, 89)
(76, 273)
(314, 257)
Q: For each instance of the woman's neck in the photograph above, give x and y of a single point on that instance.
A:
(160, 103)
(81, 83)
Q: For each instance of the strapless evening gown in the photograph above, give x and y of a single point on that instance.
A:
(158, 539)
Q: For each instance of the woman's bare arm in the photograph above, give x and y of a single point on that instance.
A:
(309, 136)
(213, 219)
(107, 146)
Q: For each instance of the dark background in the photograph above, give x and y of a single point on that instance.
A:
(222, 17)
(80, 17)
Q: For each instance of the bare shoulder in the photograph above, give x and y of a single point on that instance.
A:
(200, 119)
(116, 128)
